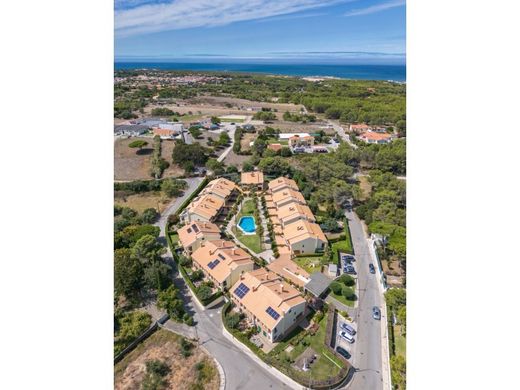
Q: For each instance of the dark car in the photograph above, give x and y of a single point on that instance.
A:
(349, 270)
(372, 268)
(376, 313)
(343, 352)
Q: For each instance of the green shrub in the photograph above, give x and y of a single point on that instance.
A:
(347, 280)
(204, 292)
(348, 293)
(336, 287)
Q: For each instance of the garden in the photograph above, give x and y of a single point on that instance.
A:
(343, 289)
(289, 355)
(252, 241)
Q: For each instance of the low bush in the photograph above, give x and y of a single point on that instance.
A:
(348, 293)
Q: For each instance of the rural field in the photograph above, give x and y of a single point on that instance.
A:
(141, 202)
(196, 371)
(130, 165)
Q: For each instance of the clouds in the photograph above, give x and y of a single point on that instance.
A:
(133, 17)
(376, 8)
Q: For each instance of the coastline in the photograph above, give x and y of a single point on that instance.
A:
(390, 73)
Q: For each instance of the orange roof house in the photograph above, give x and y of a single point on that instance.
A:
(288, 269)
(269, 302)
(359, 127)
(193, 234)
(304, 237)
(288, 195)
(222, 261)
(255, 178)
(294, 211)
(371, 137)
(205, 207)
(221, 187)
(297, 141)
(282, 183)
(275, 147)
(164, 133)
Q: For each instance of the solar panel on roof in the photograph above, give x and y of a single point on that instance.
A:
(221, 256)
(213, 264)
(272, 313)
(241, 290)
(195, 228)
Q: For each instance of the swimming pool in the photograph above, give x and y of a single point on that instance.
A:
(247, 224)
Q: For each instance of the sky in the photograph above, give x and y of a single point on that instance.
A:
(314, 31)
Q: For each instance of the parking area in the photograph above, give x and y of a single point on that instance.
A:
(347, 264)
(341, 341)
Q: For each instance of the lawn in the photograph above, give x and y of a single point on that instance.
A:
(277, 141)
(327, 365)
(399, 341)
(342, 299)
(174, 237)
(343, 246)
(307, 262)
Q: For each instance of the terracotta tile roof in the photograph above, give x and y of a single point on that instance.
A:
(301, 230)
(266, 289)
(206, 205)
(164, 132)
(293, 210)
(229, 257)
(275, 147)
(288, 194)
(221, 186)
(281, 183)
(252, 178)
(288, 269)
(195, 231)
(359, 126)
(370, 135)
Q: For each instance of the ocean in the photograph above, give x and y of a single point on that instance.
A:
(359, 72)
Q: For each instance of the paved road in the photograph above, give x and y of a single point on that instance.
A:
(367, 357)
(342, 134)
(193, 183)
(231, 133)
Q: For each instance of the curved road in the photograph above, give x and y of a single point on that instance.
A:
(240, 370)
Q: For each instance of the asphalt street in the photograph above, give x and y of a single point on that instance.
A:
(367, 356)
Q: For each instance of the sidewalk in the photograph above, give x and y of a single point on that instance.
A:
(385, 351)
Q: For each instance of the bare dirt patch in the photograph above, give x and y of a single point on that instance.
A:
(141, 202)
(247, 138)
(130, 165)
(164, 346)
(365, 186)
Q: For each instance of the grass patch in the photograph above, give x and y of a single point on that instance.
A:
(327, 365)
(174, 237)
(277, 141)
(399, 341)
(343, 246)
(342, 299)
(143, 201)
(307, 263)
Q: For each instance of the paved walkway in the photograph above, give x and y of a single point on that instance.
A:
(342, 134)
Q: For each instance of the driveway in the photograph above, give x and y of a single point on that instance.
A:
(367, 355)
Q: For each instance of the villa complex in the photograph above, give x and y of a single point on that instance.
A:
(268, 302)
(252, 179)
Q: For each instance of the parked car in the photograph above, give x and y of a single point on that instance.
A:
(376, 313)
(343, 352)
(347, 328)
(349, 269)
(347, 337)
(372, 268)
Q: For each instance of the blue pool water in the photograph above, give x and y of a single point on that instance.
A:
(247, 224)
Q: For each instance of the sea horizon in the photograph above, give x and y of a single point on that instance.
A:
(387, 72)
